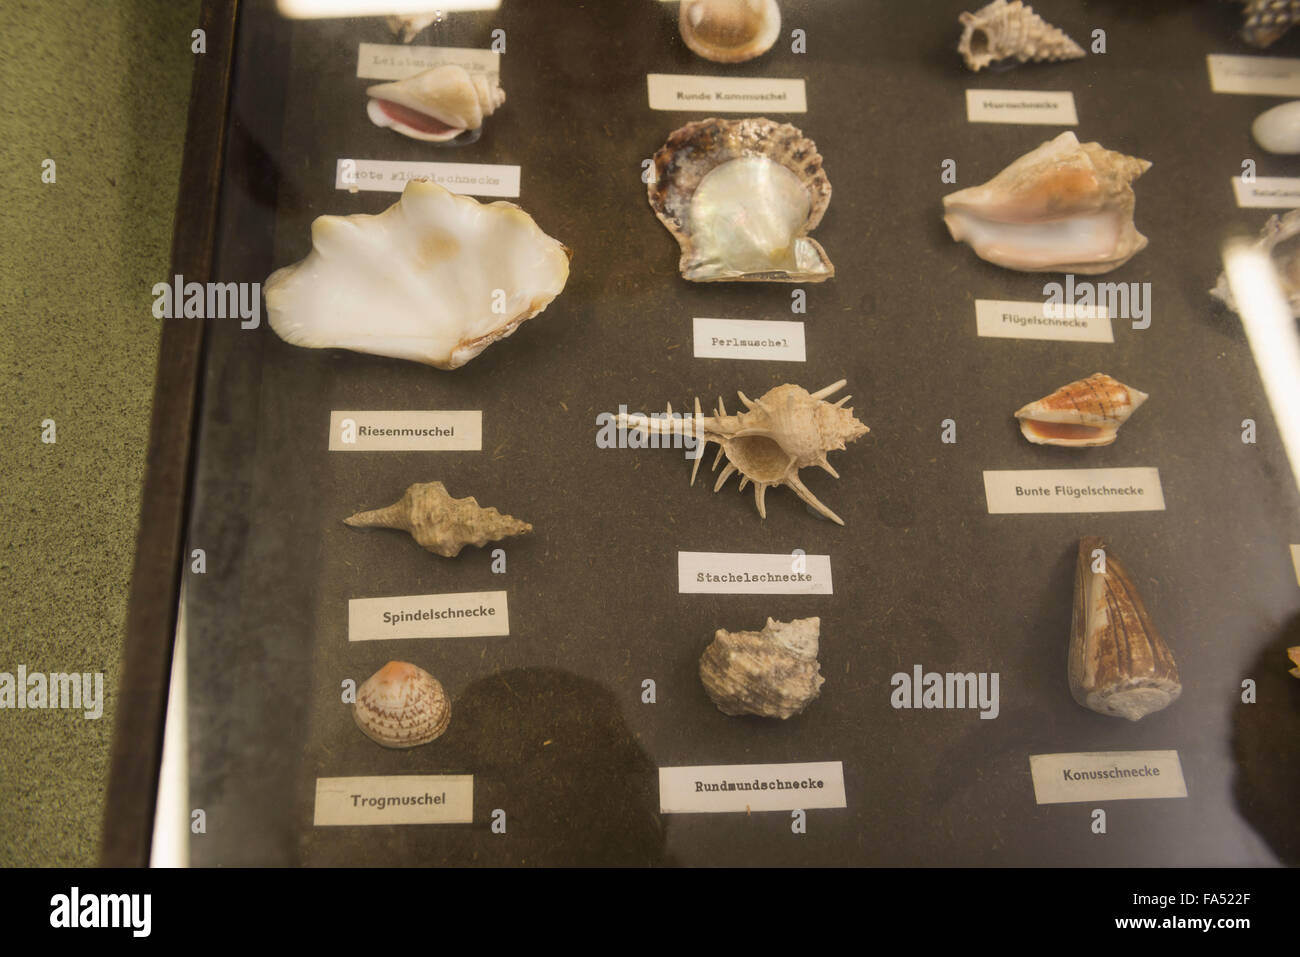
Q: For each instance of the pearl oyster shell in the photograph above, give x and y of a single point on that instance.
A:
(1063, 207)
(1119, 664)
(785, 430)
(1084, 413)
(1280, 238)
(442, 524)
(401, 706)
(729, 31)
(437, 105)
(1004, 31)
(740, 197)
(772, 673)
(435, 278)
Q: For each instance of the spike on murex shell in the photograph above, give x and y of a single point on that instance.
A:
(1005, 31)
(401, 706)
(442, 524)
(781, 432)
(1087, 412)
(773, 673)
(435, 105)
(1119, 664)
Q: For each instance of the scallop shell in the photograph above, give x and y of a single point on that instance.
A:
(729, 31)
(1280, 238)
(1083, 413)
(772, 673)
(740, 197)
(401, 706)
(1002, 31)
(1278, 129)
(436, 105)
(435, 278)
(407, 26)
(785, 430)
(1267, 20)
(1063, 207)
(442, 524)
(1119, 664)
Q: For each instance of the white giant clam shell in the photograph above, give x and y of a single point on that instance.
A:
(437, 105)
(1063, 207)
(435, 278)
(729, 31)
(740, 196)
(1006, 31)
(401, 706)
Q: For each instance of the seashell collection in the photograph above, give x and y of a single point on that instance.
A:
(440, 523)
(1011, 31)
(1267, 20)
(401, 706)
(1063, 207)
(1083, 413)
(437, 105)
(1119, 664)
(740, 197)
(773, 673)
(784, 430)
(1280, 238)
(435, 278)
(729, 31)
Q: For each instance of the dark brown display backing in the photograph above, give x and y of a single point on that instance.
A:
(549, 720)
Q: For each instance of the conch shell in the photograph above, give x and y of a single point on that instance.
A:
(1119, 664)
(772, 673)
(437, 105)
(435, 278)
(1003, 30)
(442, 524)
(1087, 412)
(1064, 207)
(740, 197)
(401, 706)
(729, 31)
(785, 430)
(1280, 238)
(407, 26)
(1267, 20)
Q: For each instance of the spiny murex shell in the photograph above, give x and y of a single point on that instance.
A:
(1280, 238)
(1003, 30)
(442, 524)
(772, 673)
(1087, 412)
(1119, 664)
(729, 31)
(1266, 20)
(1064, 207)
(435, 278)
(436, 105)
(740, 196)
(406, 26)
(785, 430)
(401, 705)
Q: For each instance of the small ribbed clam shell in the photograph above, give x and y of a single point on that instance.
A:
(729, 31)
(1002, 31)
(1083, 413)
(772, 673)
(402, 705)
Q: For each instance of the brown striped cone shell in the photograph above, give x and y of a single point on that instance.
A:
(442, 524)
(401, 706)
(771, 673)
(1119, 664)
(729, 31)
(1083, 413)
(1003, 31)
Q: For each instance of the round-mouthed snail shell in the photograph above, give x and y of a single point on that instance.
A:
(402, 705)
(773, 673)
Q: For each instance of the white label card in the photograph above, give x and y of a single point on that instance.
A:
(751, 787)
(464, 615)
(772, 339)
(396, 61)
(391, 176)
(737, 573)
(1029, 491)
(1106, 776)
(1295, 562)
(405, 431)
(1256, 75)
(395, 799)
(726, 94)
(1267, 192)
(1047, 107)
(1066, 322)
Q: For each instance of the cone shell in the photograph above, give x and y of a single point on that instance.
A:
(442, 524)
(1267, 20)
(1063, 207)
(1280, 239)
(401, 706)
(1002, 31)
(729, 31)
(740, 197)
(1119, 664)
(436, 105)
(772, 673)
(1083, 413)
